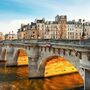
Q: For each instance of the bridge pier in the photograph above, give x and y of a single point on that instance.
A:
(86, 79)
(34, 72)
(9, 57)
(1, 58)
(85, 64)
(11, 63)
(0, 54)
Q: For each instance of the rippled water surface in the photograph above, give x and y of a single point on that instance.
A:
(16, 78)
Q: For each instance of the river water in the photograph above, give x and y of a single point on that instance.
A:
(16, 78)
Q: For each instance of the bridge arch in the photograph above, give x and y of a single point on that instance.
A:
(70, 69)
(21, 57)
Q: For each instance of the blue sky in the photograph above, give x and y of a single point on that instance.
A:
(15, 12)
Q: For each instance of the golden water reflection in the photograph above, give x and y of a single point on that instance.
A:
(16, 78)
(64, 82)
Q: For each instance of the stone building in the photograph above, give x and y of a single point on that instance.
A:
(1, 36)
(22, 32)
(41, 29)
(10, 36)
(62, 26)
(58, 29)
(75, 29)
(40, 26)
(87, 30)
(50, 30)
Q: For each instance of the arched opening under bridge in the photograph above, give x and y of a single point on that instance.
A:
(21, 57)
(59, 66)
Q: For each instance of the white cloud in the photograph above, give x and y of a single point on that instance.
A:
(79, 10)
(13, 25)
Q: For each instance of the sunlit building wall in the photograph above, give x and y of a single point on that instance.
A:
(71, 30)
(50, 30)
(87, 30)
(40, 26)
(1, 36)
(75, 29)
(44, 29)
(22, 32)
(62, 26)
(10, 36)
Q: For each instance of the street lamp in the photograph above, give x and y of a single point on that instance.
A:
(83, 33)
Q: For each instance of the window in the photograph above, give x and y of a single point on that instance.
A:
(68, 33)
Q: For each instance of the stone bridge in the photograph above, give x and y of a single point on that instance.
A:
(77, 52)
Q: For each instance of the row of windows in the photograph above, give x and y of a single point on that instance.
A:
(40, 25)
(73, 25)
(72, 33)
(70, 29)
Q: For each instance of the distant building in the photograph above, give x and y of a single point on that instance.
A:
(21, 34)
(50, 31)
(10, 36)
(62, 26)
(41, 29)
(75, 29)
(71, 30)
(1, 36)
(58, 29)
(28, 31)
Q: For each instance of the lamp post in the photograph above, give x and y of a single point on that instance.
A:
(83, 33)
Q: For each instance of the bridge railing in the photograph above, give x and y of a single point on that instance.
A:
(65, 41)
(59, 41)
(11, 41)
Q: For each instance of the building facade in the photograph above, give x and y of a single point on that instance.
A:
(42, 29)
(62, 25)
(10, 36)
(22, 32)
(58, 29)
(75, 29)
(1, 36)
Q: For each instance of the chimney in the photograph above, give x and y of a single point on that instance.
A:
(80, 20)
(22, 25)
(12, 32)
